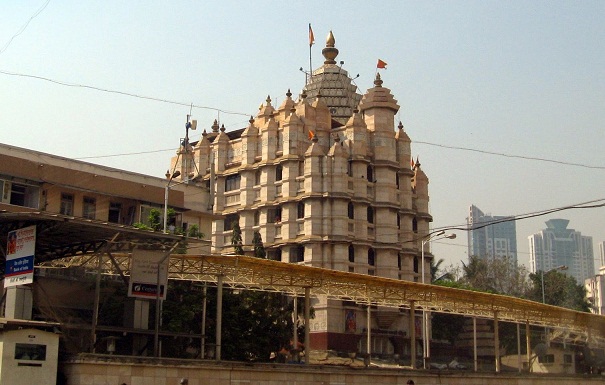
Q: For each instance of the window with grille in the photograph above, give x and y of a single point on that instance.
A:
(232, 182)
(89, 207)
(67, 204)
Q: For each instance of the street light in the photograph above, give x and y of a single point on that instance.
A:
(562, 267)
(169, 177)
(425, 345)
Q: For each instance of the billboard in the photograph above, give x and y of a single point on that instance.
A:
(20, 250)
(144, 274)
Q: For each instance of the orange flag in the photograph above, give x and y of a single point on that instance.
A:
(381, 64)
(311, 135)
(311, 36)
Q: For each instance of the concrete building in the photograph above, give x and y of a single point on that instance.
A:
(35, 181)
(559, 246)
(325, 179)
(491, 236)
(595, 285)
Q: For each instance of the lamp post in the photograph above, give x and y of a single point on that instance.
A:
(169, 177)
(425, 344)
(562, 267)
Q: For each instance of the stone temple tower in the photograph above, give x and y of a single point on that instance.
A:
(326, 179)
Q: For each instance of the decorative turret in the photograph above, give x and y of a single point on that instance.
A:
(250, 140)
(379, 107)
(404, 151)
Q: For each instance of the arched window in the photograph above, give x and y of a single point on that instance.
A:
(351, 210)
(351, 253)
(278, 172)
(350, 168)
(398, 221)
(415, 225)
(300, 210)
(370, 172)
(371, 257)
(370, 214)
(415, 264)
(397, 180)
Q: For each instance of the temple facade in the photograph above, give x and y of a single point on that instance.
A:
(327, 180)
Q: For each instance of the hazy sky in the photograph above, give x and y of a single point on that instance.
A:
(520, 78)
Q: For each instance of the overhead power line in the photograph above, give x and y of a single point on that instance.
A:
(121, 93)
(20, 31)
(511, 156)
(555, 161)
(596, 203)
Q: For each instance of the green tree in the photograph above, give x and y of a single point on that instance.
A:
(259, 248)
(559, 290)
(236, 239)
(438, 274)
(499, 275)
(154, 220)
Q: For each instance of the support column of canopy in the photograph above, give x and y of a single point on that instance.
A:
(95, 316)
(519, 365)
(294, 319)
(476, 363)
(307, 325)
(412, 327)
(369, 328)
(158, 299)
(219, 318)
(496, 342)
(528, 346)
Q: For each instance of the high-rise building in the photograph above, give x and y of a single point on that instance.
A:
(491, 236)
(326, 180)
(559, 246)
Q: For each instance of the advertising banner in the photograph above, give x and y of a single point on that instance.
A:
(20, 250)
(144, 274)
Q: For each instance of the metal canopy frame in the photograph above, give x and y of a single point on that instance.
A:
(61, 236)
(64, 241)
(260, 274)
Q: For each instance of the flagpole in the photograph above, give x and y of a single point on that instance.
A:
(310, 66)
(311, 41)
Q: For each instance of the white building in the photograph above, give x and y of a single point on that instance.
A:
(559, 246)
(595, 285)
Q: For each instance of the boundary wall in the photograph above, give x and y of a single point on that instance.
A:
(90, 369)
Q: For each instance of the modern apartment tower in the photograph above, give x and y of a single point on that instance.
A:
(559, 246)
(491, 236)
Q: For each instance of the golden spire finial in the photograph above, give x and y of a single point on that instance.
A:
(330, 41)
(330, 52)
